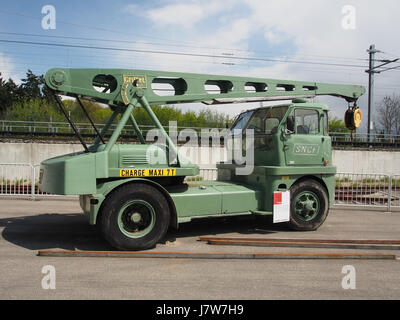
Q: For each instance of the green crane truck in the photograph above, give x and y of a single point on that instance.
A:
(134, 200)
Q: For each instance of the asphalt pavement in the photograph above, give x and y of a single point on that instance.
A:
(27, 226)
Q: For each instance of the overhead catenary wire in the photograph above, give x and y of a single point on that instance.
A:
(183, 46)
(82, 26)
(169, 42)
(164, 52)
(70, 56)
(62, 60)
(319, 70)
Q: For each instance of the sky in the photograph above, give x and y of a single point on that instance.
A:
(310, 40)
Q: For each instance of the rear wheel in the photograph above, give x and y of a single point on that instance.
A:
(309, 205)
(134, 217)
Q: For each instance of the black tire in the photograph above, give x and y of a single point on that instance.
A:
(134, 217)
(309, 205)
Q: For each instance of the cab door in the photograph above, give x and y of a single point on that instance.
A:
(305, 145)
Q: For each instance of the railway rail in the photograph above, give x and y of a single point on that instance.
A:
(217, 255)
(256, 242)
(306, 243)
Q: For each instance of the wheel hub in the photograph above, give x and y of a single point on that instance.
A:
(306, 206)
(136, 218)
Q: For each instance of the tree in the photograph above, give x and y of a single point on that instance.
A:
(337, 126)
(32, 86)
(9, 93)
(31, 101)
(4, 95)
(97, 113)
(388, 118)
(34, 110)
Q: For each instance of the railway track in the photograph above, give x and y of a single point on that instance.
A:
(306, 243)
(218, 255)
(256, 242)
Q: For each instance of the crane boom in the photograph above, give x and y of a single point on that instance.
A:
(106, 86)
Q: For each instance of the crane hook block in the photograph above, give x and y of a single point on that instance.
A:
(353, 118)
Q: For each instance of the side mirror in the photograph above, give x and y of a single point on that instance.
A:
(289, 125)
(286, 132)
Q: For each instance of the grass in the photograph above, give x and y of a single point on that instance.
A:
(5, 181)
(379, 183)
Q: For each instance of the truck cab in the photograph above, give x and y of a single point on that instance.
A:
(288, 135)
(291, 144)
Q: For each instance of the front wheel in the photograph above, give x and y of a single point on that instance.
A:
(309, 205)
(134, 217)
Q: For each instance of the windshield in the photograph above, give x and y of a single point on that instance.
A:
(266, 121)
(242, 120)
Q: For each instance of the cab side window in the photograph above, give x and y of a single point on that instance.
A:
(271, 125)
(326, 123)
(306, 121)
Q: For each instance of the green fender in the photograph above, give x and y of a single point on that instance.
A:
(105, 188)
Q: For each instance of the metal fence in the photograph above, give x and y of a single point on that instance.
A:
(52, 128)
(363, 190)
(20, 179)
(395, 192)
(59, 128)
(338, 137)
(17, 179)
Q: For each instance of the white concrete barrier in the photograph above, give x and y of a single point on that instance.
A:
(354, 161)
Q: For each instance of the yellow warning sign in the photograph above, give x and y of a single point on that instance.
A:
(129, 173)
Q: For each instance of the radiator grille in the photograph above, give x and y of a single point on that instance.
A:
(131, 161)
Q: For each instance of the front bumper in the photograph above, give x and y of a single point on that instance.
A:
(90, 205)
